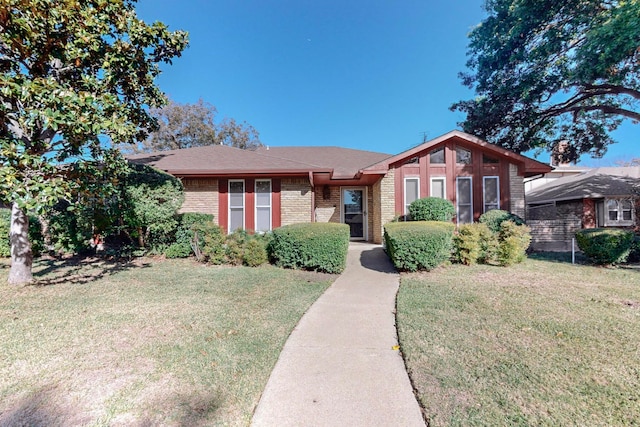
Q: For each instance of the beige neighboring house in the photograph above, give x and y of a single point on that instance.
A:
(269, 187)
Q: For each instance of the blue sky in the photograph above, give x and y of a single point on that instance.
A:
(372, 75)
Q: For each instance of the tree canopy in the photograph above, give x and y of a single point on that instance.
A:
(194, 125)
(74, 75)
(546, 71)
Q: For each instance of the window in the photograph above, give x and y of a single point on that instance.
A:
(464, 199)
(436, 157)
(489, 160)
(619, 212)
(438, 187)
(411, 192)
(463, 157)
(263, 205)
(491, 192)
(236, 204)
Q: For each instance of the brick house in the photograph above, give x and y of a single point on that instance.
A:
(600, 197)
(273, 186)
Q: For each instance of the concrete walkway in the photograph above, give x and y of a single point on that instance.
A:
(339, 367)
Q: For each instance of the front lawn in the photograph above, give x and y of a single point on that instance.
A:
(145, 343)
(540, 343)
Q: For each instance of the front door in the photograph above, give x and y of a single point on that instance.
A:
(354, 212)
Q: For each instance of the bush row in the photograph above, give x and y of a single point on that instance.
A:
(418, 245)
(607, 246)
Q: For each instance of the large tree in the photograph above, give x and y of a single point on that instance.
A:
(74, 74)
(194, 125)
(547, 71)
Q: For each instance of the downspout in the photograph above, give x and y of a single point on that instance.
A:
(313, 198)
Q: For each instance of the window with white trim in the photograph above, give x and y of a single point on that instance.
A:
(438, 187)
(411, 192)
(491, 192)
(236, 204)
(263, 205)
(464, 199)
(619, 212)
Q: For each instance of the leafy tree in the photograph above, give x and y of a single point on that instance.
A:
(194, 125)
(73, 75)
(547, 71)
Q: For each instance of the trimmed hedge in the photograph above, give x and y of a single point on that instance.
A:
(311, 246)
(605, 245)
(495, 217)
(418, 245)
(431, 209)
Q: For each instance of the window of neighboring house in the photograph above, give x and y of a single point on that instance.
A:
(463, 157)
(236, 204)
(411, 192)
(263, 205)
(491, 192)
(489, 160)
(619, 212)
(437, 156)
(464, 200)
(438, 187)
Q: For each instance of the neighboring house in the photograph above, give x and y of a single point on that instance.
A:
(273, 186)
(600, 197)
(559, 171)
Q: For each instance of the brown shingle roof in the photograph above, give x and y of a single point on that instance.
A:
(343, 163)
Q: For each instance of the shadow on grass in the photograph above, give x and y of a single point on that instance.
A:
(560, 257)
(79, 270)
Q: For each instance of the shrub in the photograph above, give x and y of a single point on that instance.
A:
(421, 245)
(178, 250)
(431, 209)
(311, 246)
(495, 217)
(255, 252)
(184, 238)
(208, 242)
(634, 254)
(35, 234)
(513, 242)
(605, 245)
(472, 244)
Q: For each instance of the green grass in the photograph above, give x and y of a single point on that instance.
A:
(150, 343)
(541, 343)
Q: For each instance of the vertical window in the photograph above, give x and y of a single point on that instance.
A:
(236, 204)
(463, 157)
(612, 210)
(263, 205)
(464, 199)
(436, 157)
(411, 192)
(491, 192)
(625, 210)
(438, 187)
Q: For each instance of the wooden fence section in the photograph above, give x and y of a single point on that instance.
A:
(553, 234)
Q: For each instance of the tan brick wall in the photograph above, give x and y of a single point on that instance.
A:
(383, 205)
(200, 195)
(295, 200)
(328, 210)
(516, 190)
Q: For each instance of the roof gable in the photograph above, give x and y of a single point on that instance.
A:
(527, 165)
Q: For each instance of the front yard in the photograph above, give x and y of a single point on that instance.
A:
(540, 343)
(150, 343)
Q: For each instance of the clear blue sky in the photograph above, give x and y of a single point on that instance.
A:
(372, 75)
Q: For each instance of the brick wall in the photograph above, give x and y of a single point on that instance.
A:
(382, 208)
(554, 234)
(296, 200)
(516, 191)
(200, 195)
(328, 210)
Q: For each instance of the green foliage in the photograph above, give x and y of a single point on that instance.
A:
(605, 245)
(634, 254)
(513, 242)
(212, 247)
(431, 209)
(255, 253)
(495, 217)
(178, 250)
(312, 246)
(151, 199)
(420, 245)
(184, 242)
(473, 243)
(552, 71)
(195, 125)
(35, 234)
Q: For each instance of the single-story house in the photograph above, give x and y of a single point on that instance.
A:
(273, 186)
(599, 197)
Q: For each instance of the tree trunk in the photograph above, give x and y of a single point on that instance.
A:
(21, 255)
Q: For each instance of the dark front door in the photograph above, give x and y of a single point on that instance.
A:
(353, 211)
